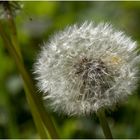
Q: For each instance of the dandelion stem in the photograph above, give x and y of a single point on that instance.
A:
(30, 100)
(43, 121)
(104, 124)
(12, 27)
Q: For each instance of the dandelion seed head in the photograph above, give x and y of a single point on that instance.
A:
(87, 67)
(14, 6)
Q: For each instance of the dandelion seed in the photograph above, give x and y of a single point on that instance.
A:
(85, 68)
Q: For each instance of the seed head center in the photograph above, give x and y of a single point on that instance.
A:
(95, 76)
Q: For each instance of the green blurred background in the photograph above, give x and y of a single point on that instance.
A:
(36, 22)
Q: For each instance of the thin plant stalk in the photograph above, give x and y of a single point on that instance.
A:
(12, 27)
(35, 114)
(104, 124)
(47, 120)
(42, 120)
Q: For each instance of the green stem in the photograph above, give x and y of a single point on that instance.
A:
(32, 96)
(12, 27)
(104, 124)
(35, 113)
(36, 116)
(41, 117)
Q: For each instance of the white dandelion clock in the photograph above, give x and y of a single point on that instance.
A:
(85, 68)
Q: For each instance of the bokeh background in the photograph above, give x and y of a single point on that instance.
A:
(36, 22)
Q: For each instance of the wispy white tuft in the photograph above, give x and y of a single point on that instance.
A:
(88, 67)
(14, 6)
